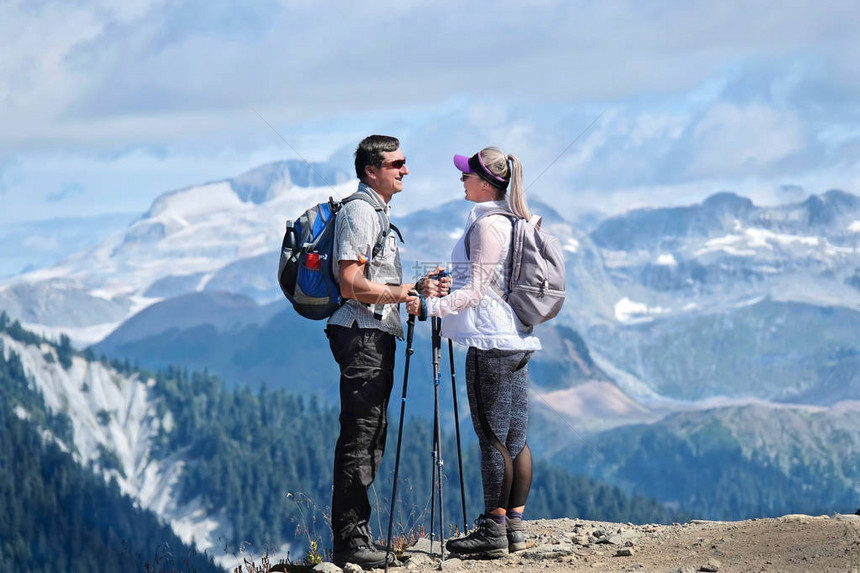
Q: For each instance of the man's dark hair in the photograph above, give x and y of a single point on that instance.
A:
(370, 150)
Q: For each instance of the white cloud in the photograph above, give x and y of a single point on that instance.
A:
(732, 140)
(667, 260)
(40, 243)
(697, 96)
(155, 58)
(649, 127)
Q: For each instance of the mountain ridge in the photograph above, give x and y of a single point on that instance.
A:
(680, 266)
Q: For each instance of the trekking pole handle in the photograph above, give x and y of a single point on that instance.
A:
(422, 306)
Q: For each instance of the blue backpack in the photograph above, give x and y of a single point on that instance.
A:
(305, 270)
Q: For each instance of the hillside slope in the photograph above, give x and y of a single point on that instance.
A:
(57, 515)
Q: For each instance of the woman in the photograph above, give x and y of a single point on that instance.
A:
(476, 315)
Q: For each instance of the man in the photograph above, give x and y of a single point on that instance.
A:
(362, 337)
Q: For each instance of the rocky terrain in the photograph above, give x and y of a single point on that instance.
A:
(792, 543)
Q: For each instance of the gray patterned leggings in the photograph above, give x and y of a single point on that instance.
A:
(497, 384)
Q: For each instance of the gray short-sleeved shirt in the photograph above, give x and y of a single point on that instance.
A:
(356, 230)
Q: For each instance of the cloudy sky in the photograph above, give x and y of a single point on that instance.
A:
(104, 105)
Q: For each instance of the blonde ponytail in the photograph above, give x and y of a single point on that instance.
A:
(517, 198)
(508, 167)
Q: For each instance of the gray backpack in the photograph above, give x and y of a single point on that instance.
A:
(536, 288)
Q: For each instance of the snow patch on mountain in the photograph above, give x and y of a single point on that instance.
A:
(82, 336)
(748, 241)
(21, 412)
(627, 310)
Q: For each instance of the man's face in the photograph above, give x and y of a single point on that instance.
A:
(388, 178)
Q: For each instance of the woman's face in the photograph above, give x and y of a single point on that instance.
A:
(477, 190)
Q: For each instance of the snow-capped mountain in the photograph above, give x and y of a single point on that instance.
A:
(728, 300)
(728, 250)
(198, 238)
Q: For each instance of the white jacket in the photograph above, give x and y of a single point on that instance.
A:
(475, 313)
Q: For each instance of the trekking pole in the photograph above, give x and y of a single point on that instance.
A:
(457, 431)
(436, 338)
(410, 330)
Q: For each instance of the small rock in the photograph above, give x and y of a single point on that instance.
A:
(712, 566)
(796, 518)
(423, 545)
(541, 552)
(624, 552)
(326, 567)
(352, 568)
(451, 564)
(420, 560)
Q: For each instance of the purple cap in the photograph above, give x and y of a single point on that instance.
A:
(461, 162)
(475, 165)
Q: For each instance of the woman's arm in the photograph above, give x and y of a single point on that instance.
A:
(486, 243)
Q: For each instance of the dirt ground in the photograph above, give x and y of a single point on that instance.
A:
(791, 543)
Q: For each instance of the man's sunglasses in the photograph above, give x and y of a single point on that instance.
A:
(396, 164)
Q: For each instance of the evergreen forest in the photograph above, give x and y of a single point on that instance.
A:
(56, 516)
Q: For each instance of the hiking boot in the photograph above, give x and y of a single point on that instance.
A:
(516, 534)
(488, 540)
(364, 556)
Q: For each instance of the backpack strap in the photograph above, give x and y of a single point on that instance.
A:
(511, 217)
(385, 226)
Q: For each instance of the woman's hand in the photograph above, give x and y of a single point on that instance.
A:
(429, 285)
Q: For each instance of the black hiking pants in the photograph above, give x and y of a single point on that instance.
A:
(366, 360)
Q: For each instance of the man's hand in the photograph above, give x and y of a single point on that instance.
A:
(413, 304)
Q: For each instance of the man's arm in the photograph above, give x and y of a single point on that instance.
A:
(354, 284)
